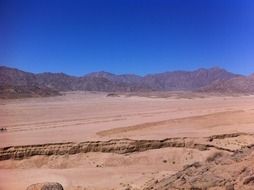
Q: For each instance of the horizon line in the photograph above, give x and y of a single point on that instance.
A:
(104, 71)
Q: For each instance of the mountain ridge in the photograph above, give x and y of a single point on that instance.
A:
(203, 80)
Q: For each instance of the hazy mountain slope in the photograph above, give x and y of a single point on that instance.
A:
(126, 78)
(7, 91)
(182, 80)
(234, 85)
(15, 77)
(57, 81)
(206, 80)
(178, 80)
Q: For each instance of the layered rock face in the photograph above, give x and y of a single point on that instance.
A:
(119, 146)
(228, 167)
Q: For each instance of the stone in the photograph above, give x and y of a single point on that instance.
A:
(46, 186)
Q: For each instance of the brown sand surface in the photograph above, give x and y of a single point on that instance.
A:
(88, 116)
(97, 170)
(83, 116)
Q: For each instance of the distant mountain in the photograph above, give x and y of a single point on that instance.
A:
(234, 85)
(7, 92)
(206, 80)
(100, 81)
(57, 81)
(177, 80)
(15, 77)
(183, 80)
(127, 78)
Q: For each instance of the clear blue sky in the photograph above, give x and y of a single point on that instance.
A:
(127, 36)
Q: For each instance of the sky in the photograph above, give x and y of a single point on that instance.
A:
(127, 36)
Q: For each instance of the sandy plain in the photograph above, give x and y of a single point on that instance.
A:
(87, 116)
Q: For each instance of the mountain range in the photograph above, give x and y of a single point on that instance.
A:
(203, 80)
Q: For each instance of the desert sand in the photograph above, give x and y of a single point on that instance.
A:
(94, 117)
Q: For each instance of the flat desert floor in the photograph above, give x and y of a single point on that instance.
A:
(86, 116)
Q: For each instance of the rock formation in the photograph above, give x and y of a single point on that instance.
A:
(119, 146)
(45, 186)
(221, 171)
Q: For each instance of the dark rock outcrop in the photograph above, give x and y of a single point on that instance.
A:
(46, 186)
